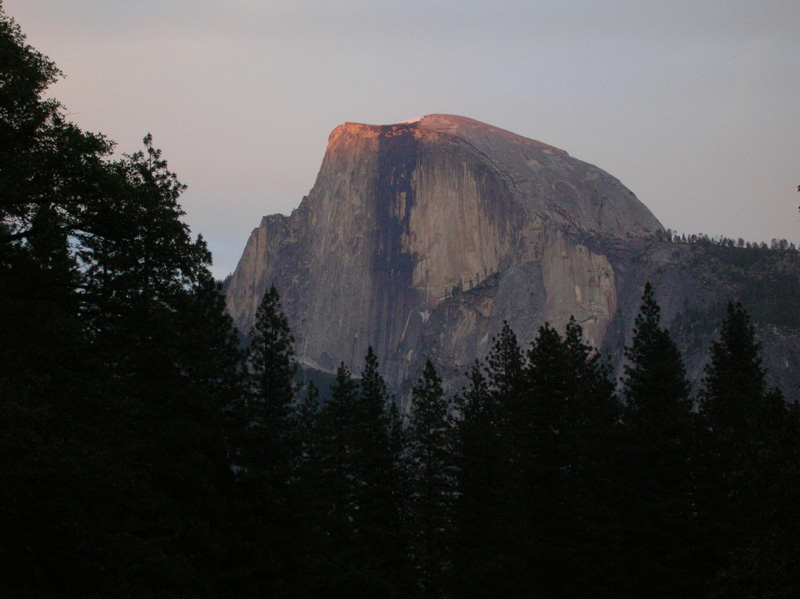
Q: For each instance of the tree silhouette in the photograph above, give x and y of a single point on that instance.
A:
(431, 481)
(752, 465)
(659, 537)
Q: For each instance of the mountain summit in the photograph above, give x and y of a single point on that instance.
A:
(421, 238)
(405, 217)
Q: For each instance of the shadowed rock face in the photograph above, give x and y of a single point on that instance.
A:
(420, 238)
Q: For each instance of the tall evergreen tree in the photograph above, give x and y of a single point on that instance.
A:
(305, 426)
(110, 393)
(338, 421)
(430, 459)
(507, 402)
(505, 365)
(500, 438)
(659, 539)
(484, 522)
(397, 435)
(592, 415)
(753, 497)
(374, 451)
(307, 494)
(547, 456)
(654, 385)
(268, 413)
(734, 387)
(398, 441)
(381, 551)
(339, 489)
(573, 410)
(361, 554)
(265, 455)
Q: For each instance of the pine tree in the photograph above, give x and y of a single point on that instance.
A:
(374, 457)
(484, 521)
(374, 449)
(270, 357)
(397, 434)
(114, 365)
(402, 570)
(734, 387)
(338, 422)
(654, 386)
(753, 477)
(361, 554)
(508, 404)
(592, 413)
(305, 425)
(497, 452)
(380, 549)
(307, 502)
(505, 366)
(573, 411)
(265, 519)
(432, 482)
(659, 538)
(339, 487)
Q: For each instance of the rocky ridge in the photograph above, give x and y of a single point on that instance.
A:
(421, 238)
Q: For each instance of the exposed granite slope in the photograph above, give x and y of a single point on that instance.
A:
(421, 238)
(404, 216)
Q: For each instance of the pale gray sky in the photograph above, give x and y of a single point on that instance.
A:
(694, 105)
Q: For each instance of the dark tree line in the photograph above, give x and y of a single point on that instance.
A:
(543, 477)
(117, 364)
(143, 454)
(566, 490)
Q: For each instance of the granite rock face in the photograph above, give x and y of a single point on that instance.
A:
(421, 238)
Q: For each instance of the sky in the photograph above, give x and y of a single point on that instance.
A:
(693, 105)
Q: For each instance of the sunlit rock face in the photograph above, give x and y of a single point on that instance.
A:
(421, 238)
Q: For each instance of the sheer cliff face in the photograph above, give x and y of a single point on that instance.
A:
(422, 237)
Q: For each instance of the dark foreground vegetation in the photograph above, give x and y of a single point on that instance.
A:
(142, 454)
